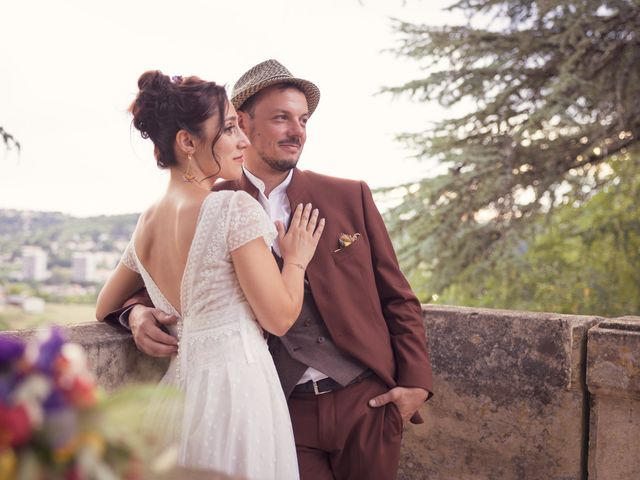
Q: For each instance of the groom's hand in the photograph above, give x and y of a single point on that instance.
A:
(146, 326)
(408, 400)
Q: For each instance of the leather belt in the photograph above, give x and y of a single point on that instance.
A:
(327, 385)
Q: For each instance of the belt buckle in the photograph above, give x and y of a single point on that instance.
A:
(315, 388)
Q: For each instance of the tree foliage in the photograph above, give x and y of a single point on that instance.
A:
(8, 139)
(551, 91)
(584, 259)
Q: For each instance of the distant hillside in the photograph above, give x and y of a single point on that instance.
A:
(16, 222)
(60, 235)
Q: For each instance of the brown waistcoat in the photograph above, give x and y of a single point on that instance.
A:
(308, 343)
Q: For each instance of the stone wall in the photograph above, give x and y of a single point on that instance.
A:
(510, 397)
(519, 395)
(613, 376)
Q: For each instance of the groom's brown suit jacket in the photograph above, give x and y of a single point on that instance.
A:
(363, 297)
(361, 294)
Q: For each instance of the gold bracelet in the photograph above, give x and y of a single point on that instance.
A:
(299, 265)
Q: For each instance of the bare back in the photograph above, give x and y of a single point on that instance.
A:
(163, 238)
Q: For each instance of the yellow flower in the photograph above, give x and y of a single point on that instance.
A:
(8, 464)
(94, 441)
(66, 452)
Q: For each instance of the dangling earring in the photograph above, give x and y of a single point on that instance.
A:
(188, 176)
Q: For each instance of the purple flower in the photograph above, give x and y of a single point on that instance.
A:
(49, 350)
(8, 384)
(11, 349)
(61, 427)
(55, 401)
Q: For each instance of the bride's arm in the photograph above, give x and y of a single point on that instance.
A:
(120, 286)
(275, 297)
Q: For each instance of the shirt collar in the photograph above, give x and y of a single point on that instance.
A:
(259, 184)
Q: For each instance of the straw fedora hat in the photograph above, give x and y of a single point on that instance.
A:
(269, 73)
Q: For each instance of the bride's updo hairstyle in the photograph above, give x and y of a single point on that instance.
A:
(164, 105)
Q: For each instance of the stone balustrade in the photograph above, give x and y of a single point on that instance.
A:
(519, 395)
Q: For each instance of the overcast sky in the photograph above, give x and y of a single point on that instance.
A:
(69, 69)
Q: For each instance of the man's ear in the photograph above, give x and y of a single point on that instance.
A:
(185, 142)
(243, 120)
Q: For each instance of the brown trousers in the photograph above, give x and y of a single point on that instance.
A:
(339, 436)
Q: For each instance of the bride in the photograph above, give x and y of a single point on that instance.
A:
(205, 258)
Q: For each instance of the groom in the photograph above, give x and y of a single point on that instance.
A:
(354, 366)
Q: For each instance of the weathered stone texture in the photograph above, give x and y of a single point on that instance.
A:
(613, 378)
(510, 397)
(111, 354)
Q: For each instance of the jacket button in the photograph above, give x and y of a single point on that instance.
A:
(320, 339)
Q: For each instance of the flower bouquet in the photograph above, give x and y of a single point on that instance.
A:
(55, 424)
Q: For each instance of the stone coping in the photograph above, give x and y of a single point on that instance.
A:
(613, 360)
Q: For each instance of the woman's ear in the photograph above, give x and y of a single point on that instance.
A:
(185, 142)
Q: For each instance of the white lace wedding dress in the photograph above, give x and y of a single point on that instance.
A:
(235, 418)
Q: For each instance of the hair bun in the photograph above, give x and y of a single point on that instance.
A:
(164, 105)
(154, 102)
(153, 80)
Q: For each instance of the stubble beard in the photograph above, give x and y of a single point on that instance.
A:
(280, 165)
(276, 164)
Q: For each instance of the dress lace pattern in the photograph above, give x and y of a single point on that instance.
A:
(129, 258)
(235, 416)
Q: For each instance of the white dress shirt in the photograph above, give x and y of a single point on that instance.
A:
(276, 204)
(277, 207)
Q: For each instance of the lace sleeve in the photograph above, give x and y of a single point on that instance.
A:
(129, 258)
(247, 221)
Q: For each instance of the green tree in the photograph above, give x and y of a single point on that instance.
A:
(584, 259)
(551, 91)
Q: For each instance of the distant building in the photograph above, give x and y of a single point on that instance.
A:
(34, 264)
(28, 304)
(83, 268)
(105, 264)
(3, 298)
(15, 300)
(33, 305)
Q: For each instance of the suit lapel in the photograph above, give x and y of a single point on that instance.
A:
(299, 191)
(244, 184)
